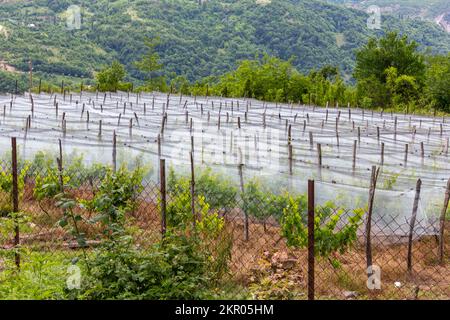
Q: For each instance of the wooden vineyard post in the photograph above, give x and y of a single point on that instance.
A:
(59, 160)
(412, 224)
(15, 199)
(194, 216)
(359, 135)
(218, 122)
(241, 180)
(319, 154)
(311, 257)
(290, 156)
(162, 179)
(337, 138)
(32, 104)
(395, 128)
(354, 154)
(373, 185)
(100, 128)
(163, 121)
(442, 223)
(290, 134)
(406, 154)
(114, 151)
(382, 154)
(130, 127)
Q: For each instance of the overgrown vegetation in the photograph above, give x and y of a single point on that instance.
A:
(333, 230)
(191, 261)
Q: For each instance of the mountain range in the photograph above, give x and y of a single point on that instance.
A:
(199, 38)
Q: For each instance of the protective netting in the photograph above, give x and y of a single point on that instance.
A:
(278, 143)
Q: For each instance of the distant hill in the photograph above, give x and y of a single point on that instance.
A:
(199, 38)
(437, 11)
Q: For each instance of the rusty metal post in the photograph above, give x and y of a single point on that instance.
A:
(114, 151)
(15, 199)
(311, 261)
(194, 216)
(162, 174)
(412, 224)
(373, 186)
(442, 223)
(241, 180)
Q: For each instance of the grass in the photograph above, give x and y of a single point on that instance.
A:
(42, 276)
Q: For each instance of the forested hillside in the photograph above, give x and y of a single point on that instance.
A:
(427, 9)
(197, 40)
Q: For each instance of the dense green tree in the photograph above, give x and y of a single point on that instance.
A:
(374, 60)
(438, 82)
(8, 82)
(109, 78)
(149, 63)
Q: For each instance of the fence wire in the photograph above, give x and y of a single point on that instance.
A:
(268, 252)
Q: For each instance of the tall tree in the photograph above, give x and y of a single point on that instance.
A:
(378, 55)
(109, 78)
(438, 82)
(150, 61)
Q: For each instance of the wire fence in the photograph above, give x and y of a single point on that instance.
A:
(282, 246)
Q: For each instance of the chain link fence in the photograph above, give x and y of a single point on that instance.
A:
(279, 245)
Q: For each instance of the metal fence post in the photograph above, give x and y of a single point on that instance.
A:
(241, 179)
(442, 223)
(194, 215)
(412, 224)
(311, 259)
(373, 186)
(15, 200)
(162, 175)
(114, 151)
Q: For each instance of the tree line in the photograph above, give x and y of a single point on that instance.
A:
(390, 72)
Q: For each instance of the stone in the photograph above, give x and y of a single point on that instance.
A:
(350, 294)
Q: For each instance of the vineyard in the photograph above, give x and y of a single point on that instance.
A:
(219, 198)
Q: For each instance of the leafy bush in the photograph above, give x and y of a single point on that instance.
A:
(329, 237)
(218, 191)
(259, 202)
(117, 194)
(6, 187)
(47, 184)
(42, 277)
(172, 269)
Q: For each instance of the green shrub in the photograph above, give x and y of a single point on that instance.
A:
(259, 202)
(218, 191)
(6, 187)
(116, 195)
(42, 276)
(172, 269)
(328, 238)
